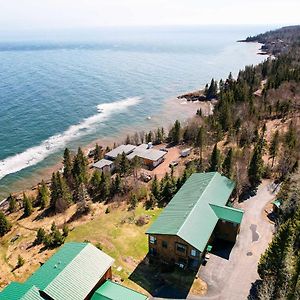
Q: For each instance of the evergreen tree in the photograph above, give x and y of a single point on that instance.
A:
(65, 230)
(175, 133)
(40, 236)
(43, 196)
(60, 194)
(256, 166)
(212, 90)
(155, 190)
(27, 206)
(227, 166)
(117, 185)
(5, 225)
(123, 164)
(104, 187)
(98, 153)
(20, 262)
(12, 203)
(274, 147)
(80, 167)
(94, 186)
(133, 201)
(67, 166)
(215, 159)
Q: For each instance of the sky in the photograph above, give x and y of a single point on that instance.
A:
(55, 14)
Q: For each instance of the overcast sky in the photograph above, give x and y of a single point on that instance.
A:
(39, 14)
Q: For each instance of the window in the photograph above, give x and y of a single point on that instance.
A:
(164, 244)
(152, 251)
(152, 239)
(193, 252)
(180, 248)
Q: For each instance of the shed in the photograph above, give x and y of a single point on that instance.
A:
(104, 165)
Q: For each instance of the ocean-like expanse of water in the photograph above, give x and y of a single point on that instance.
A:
(70, 88)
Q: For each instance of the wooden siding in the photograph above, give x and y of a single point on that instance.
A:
(170, 254)
(107, 275)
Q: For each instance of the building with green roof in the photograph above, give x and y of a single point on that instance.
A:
(195, 215)
(114, 291)
(74, 272)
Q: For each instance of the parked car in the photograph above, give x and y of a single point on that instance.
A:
(146, 177)
(174, 163)
(186, 152)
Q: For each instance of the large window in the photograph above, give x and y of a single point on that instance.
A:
(152, 239)
(180, 248)
(194, 252)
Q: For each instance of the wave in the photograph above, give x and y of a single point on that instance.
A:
(36, 154)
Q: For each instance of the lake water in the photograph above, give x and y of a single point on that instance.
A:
(69, 88)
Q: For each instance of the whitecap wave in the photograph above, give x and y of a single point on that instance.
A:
(36, 154)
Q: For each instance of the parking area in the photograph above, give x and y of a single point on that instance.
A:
(172, 155)
(232, 277)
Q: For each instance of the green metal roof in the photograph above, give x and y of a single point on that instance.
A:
(114, 291)
(71, 273)
(277, 203)
(20, 291)
(228, 213)
(190, 214)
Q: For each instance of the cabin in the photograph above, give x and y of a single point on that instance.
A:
(104, 165)
(76, 271)
(113, 154)
(196, 216)
(150, 157)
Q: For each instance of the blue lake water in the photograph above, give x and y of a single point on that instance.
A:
(70, 88)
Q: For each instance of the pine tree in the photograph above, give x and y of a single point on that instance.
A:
(64, 196)
(98, 153)
(27, 206)
(80, 165)
(256, 166)
(227, 166)
(5, 225)
(67, 163)
(175, 133)
(94, 186)
(12, 203)
(155, 190)
(104, 187)
(54, 192)
(274, 147)
(43, 196)
(215, 160)
(133, 201)
(40, 236)
(20, 262)
(123, 164)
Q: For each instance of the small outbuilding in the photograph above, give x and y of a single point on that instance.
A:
(104, 165)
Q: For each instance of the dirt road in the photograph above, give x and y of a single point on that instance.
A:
(232, 279)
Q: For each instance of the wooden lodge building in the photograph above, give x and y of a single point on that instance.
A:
(77, 271)
(196, 215)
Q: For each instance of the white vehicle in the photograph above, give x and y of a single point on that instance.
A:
(186, 152)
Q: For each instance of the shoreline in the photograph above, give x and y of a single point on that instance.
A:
(164, 119)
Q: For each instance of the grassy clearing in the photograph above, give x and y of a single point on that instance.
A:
(119, 237)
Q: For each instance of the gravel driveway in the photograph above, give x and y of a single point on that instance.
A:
(231, 279)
